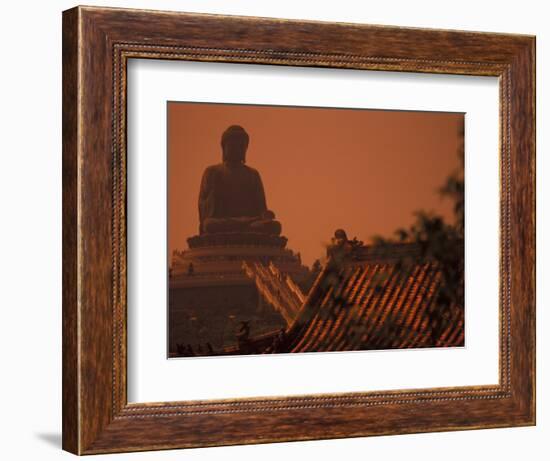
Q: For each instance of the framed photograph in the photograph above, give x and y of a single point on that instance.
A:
(282, 230)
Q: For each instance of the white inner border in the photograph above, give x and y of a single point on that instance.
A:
(154, 378)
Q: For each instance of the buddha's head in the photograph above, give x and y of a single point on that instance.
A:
(234, 144)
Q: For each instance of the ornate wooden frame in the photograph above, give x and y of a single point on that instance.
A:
(97, 43)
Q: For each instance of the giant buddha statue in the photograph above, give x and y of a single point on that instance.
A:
(232, 197)
(207, 281)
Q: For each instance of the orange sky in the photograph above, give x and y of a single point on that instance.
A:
(365, 171)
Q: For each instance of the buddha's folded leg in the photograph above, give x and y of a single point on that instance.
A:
(219, 225)
(242, 224)
(266, 226)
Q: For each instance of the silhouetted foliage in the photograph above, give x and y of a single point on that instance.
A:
(443, 243)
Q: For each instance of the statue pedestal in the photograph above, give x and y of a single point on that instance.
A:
(210, 294)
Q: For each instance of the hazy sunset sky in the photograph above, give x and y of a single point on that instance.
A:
(365, 171)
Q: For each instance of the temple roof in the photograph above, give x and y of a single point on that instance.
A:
(374, 298)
